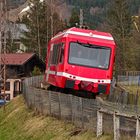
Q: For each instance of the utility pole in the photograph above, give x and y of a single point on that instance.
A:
(0, 36)
(51, 18)
(1, 30)
(38, 36)
(81, 18)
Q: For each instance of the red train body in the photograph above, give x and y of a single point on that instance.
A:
(81, 59)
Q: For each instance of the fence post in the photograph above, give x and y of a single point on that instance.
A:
(81, 105)
(138, 129)
(23, 89)
(99, 130)
(59, 105)
(116, 120)
(49, 101)
(71, 107)
(139, 81)
(41, 103)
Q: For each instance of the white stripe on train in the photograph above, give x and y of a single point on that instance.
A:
(64, 74)
(84, 34)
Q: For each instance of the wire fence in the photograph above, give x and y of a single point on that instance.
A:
(129, 80)
(122, 96)
(102, 117)
(129, 73)
(127, 90)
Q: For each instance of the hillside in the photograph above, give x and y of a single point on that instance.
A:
(13, 14)
(19, 123)
(61, 6)
(94, 11)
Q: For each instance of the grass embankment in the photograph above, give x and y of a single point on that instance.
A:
(17, 122)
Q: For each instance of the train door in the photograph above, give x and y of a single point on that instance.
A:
(49, 62)
(55, 62)
(60, 65)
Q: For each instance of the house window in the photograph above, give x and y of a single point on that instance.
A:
(7, 97)
(7, 86)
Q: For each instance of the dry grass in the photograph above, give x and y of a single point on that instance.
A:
(19, 123)
(132, 89)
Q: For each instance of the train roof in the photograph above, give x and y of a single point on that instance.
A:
(74, 32)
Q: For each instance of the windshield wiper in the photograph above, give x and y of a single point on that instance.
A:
(92, 46)
(85, 45)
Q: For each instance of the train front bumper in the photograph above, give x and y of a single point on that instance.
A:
(88, 86)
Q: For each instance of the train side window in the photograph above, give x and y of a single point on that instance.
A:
(50, 56)
(62, 53)
(55, 54)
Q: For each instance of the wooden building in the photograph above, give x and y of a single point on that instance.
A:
(18, 66)
(12, 89)
(21, 64)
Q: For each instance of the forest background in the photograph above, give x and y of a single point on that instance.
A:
(121, 18)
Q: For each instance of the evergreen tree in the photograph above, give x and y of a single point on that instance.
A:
(74, 19)
(35, 20)
(96, 20)
(58, 24)
(38, 23)
(134, 6)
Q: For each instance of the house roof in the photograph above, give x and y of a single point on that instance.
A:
(15, 58)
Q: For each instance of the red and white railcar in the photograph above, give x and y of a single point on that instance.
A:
(81, 59)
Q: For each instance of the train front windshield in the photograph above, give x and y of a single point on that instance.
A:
(89, 55)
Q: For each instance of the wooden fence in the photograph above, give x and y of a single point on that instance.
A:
(102, 117)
